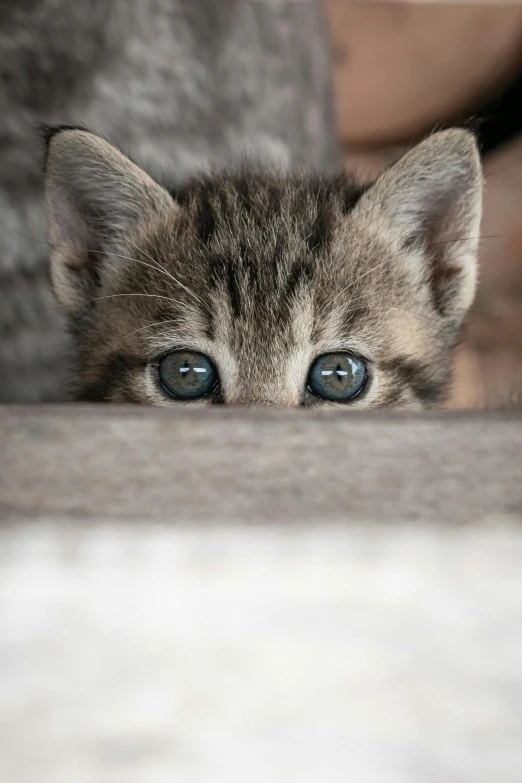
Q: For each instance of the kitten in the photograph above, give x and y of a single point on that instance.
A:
(262, 289)
(178, 84)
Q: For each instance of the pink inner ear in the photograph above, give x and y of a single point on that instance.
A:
(72, 234)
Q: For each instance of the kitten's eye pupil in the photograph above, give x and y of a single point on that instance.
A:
(338, 377)
(187, 375)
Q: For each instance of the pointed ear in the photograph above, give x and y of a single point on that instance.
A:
(95, 196)
(431, 200)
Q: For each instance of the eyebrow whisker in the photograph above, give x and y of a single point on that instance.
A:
(182, 285)
(148, 326)
(114, 296)
(157, 267)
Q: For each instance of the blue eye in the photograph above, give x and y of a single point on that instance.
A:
(187, 375)
(338, 377)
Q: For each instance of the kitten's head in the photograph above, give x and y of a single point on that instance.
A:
(255, 289)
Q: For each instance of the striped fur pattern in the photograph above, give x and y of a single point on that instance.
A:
(263, 272)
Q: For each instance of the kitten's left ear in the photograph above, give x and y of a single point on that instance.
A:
(432, 199)
(95, 197)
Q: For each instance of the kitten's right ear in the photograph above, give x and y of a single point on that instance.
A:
(431, 199)
(95, 196)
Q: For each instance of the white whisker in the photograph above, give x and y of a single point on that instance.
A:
(114, 296)
(148, 326)
(157, 267)
(154, 260)
(354, 282)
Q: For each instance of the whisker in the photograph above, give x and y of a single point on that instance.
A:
(27, 236)
(377, 266)
(157, 268)
(185, 288)
(148, 326)
(90, 250)
(128, 258)
(351, 303)
(464, 239)
(354, 282)
(114, 296)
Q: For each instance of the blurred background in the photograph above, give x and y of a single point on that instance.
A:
(403, 69)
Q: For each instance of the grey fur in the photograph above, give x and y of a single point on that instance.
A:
(264, 272)
(177, 84)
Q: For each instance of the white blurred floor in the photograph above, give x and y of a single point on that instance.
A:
(152, 654)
